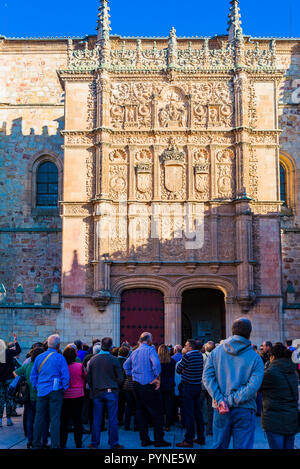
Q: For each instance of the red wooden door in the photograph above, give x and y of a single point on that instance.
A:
(142, 310)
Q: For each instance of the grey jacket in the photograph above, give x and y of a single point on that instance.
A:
(233, 373)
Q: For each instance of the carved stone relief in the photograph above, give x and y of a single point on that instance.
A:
(143, 174)
(213, 104)
(131, 104)
(172, 109)
(225, 174)
(226, 238)
(118, 175)
(173, 177)
(201, 174)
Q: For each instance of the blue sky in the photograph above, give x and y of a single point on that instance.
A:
(147, 18)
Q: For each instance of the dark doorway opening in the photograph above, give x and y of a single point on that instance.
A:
(203, 315)
(142, 310)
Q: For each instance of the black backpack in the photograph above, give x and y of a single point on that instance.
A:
(22, 392)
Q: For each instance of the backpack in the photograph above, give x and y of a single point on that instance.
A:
(22, 392)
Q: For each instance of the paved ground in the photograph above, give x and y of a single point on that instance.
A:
(13, 437)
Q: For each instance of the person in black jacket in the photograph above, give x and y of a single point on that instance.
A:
(6, 377)
(280, 399)
(167, 383)
(105, 377)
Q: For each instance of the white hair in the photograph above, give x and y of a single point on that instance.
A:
(53, 341)
(97, 348)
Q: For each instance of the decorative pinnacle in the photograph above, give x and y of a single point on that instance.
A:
(234, 24)
(103, 24)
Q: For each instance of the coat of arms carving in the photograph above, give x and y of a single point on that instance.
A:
(173, 161)
(144, 177)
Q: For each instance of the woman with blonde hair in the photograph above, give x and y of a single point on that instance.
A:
(167, 383)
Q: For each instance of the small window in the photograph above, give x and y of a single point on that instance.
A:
(47, 185)
(283, 194)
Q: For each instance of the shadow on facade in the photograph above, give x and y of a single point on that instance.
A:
(29, 242)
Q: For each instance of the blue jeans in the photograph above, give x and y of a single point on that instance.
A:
(111, 401)
(48, 408)
(238, 423)
(30, 415)
(278, 441)
(192, 409)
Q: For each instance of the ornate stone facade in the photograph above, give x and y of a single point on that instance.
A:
(171, 174)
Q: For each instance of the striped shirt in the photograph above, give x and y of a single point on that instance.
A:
(143, 364)
(191, 367)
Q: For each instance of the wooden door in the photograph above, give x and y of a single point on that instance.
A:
(142, 310)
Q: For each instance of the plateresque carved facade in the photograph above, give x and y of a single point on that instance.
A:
(171, 156)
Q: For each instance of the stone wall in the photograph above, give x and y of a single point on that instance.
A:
(31, 118)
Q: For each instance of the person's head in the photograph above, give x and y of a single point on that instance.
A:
(242, 327)
(96, 348)
(115, 351)
(70, 354)
(54, 341)
(278, 350)
(266, 346)
(85, 347)
(35, 352)
(164, 354)
(190, 345)
(123, 351)
(288, 342)
(78, 344)
(254, 347)
(209, 346)
(146, 338)
(178, 349)
(199, 345)
(106, 344)
(96, 341)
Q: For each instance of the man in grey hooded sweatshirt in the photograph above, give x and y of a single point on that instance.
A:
(233, 374)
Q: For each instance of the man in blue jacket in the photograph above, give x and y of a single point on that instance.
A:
(50, 377)
(233, 374)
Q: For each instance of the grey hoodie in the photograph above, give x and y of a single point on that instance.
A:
(233, 373)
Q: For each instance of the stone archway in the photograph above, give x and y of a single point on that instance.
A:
(203, 315)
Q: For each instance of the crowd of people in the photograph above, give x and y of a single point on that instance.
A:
(208, 389)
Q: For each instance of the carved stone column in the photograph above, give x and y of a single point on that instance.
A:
(131, 182)
(103, 100)
(172, 320)
(244, 242)
(157, 150)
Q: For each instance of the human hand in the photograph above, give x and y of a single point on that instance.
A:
(223, 408)
(15, 337)
(156, 381)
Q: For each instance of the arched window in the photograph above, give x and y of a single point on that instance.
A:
(287, 171)
(47, 185)
(283, 196)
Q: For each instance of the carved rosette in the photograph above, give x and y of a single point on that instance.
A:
(173, 174)
(118, 175)
(225, 174)
(201, 174)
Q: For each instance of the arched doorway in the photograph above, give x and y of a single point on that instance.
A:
(203, 315)
(142, 309)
